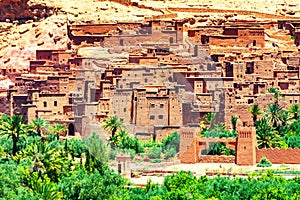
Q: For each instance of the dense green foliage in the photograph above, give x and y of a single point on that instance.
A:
(51, 169)
(279, 127)
(184, 185)
(218, 149)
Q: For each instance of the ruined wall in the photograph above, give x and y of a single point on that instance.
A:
(222, 41)
(279, 156)
(217, 159)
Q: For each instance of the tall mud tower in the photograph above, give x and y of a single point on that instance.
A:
(246, 146)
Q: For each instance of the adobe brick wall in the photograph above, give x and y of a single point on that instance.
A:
(279, 156)
(217, 159)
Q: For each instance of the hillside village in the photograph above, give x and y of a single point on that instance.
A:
(157, 72)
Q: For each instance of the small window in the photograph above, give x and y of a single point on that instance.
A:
(55, 103)
(152, 105)
(121, 42)
(152, 117)
(160, 116)
(45, 104)
(161, 105)
(124, 109)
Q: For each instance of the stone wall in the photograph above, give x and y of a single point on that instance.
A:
(217, 159)
(279, 156)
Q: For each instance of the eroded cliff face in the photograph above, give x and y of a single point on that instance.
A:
(15, 9)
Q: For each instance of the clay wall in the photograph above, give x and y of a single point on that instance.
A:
(223, 41)
(279, 156)
(265, 69)
(51, 105)
(121, 103)
(135, 40)
(251, 37)
(163, 132)
(97, 29)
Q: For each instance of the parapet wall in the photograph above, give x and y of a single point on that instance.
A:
(279, 156)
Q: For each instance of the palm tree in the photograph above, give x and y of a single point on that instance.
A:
(39, 124)
(294, 110)
(13, 127)
(275, 92)
(273, 112)
(266, 135)
(113, 124)
(255, 111)
(233, 122)
(209, 119)
(57, 129)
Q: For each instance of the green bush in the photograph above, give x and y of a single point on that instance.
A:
(170, 152)
(218, 149)
(264, 162)
(155, 153)
(112, 154)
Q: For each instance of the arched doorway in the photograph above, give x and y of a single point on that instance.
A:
(71, 129)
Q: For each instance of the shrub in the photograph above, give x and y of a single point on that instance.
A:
(112, 154)
(155, 153)
(264, 162)
(170, 152)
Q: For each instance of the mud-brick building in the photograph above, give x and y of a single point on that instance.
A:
(124, 34)
(237, 36)
(150, 111)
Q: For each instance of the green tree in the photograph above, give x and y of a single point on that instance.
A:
(276, 93)
(96, 154)
(294, 110)
(113, 124)
(233, 120)
(57, 129)
(14, 128)
(266, 135)
(38, 125)
(255, 111)
(209, 119)
(273, 113)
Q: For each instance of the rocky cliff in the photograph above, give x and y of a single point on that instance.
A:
(15, 9)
